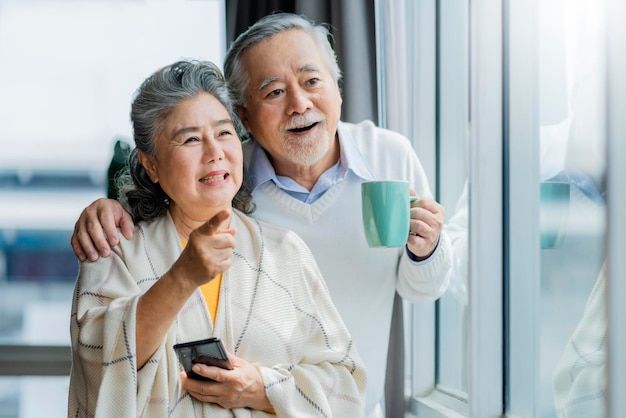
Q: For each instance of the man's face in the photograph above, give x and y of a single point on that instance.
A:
(293, 103)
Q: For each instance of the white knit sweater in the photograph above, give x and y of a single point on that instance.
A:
(274, 311)
(362, 280)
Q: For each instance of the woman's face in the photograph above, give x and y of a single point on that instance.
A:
(199, 161)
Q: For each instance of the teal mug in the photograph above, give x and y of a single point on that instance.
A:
(554, 213)
(386, 212)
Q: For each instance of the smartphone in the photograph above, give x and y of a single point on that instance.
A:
(210, 352)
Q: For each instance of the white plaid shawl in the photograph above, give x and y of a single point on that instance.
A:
(274, 311)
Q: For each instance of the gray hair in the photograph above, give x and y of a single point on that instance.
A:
(154, 101)
(267, 27)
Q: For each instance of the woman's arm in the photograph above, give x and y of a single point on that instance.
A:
(207, 254)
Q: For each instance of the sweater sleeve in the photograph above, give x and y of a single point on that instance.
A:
(389, 155)
(426, 280)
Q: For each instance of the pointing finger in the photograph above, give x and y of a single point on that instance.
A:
(214, 225)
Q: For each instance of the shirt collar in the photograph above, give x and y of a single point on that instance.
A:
(260, 169)
(351, 156)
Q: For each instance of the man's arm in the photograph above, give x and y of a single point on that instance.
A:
(424, 272)
(95, 232)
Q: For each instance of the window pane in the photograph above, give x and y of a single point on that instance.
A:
(453, 102)
(68, 71)
(572, 117)
(35, 397)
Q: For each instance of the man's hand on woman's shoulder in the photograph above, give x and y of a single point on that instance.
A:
(95, 232)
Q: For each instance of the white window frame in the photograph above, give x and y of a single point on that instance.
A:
(616, 198)
(486, 199)
(523, 272)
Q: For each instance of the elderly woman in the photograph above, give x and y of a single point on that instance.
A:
(198, 267)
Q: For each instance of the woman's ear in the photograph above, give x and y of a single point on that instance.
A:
(147, 163)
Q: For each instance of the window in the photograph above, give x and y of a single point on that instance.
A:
(524, 95)
(67, 74)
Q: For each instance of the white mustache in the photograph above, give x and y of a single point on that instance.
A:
(300, 121)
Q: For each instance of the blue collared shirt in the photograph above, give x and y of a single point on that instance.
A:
(260, 170)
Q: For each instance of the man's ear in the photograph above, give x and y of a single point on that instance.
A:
(243, 115)
(147, 163)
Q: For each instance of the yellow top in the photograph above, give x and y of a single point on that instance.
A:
(210, 291)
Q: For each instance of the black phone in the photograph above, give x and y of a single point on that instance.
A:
(210, 352)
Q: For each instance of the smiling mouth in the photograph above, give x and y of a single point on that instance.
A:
(212, 179)
(303, 129)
